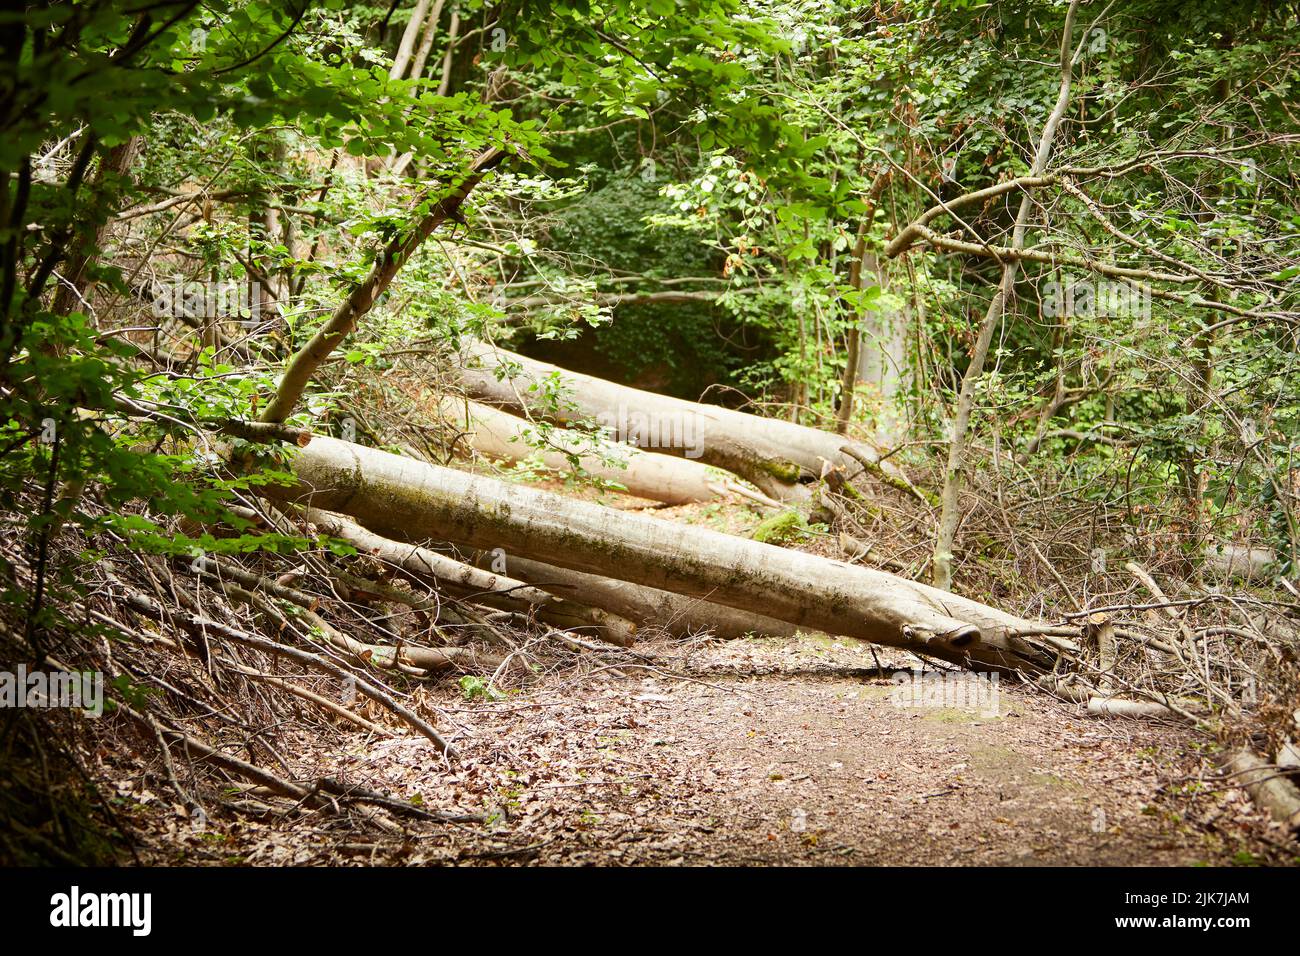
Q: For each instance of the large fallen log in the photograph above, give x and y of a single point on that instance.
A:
(403, 498)
(480, 586)
(1268, 787)
(674, 481)
(645, 606)
(778, 457)
(573, 600)
(1240, 561)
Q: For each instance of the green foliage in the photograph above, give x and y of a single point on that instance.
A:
(786, 527)
(478, 688)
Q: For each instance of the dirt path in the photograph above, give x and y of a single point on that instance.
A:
(811, 761)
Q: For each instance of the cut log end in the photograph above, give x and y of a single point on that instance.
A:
(963, 636)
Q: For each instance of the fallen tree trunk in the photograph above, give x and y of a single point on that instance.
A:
(408, 658)
(1239, 561)
(674, 481)
(404, 498)
(1268, 787)
(780, 458)
(609, 609)
(1114, 707)
(476, 585)
(414, 656)
(646, 607)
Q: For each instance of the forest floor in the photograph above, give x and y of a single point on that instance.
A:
(757, 751)
(769, 753)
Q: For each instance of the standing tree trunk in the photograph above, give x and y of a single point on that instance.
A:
(304, 363)
(426, 42)
(77, 285)
(954, 477)
(853, 358)
(884, 364)
(407, 44)
(853, 349)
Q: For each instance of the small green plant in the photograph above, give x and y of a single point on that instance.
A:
(474, 688)
(787, 527)
(135, 695)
